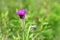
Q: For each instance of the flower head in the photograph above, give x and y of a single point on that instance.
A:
(33, 26)
(21, 13)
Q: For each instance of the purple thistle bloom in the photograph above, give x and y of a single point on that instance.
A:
(21, 13)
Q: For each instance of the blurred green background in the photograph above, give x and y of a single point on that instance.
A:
(43, 13)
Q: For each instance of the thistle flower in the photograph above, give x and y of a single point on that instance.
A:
(21, 13)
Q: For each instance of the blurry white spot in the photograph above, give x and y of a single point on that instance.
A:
(33, 26)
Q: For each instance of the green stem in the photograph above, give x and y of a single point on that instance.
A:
(27, 38)
(23, 27)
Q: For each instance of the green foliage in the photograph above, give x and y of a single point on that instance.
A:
(44, 14)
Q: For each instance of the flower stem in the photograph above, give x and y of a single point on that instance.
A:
(23, 28)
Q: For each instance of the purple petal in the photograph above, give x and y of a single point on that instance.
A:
(21, 12)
